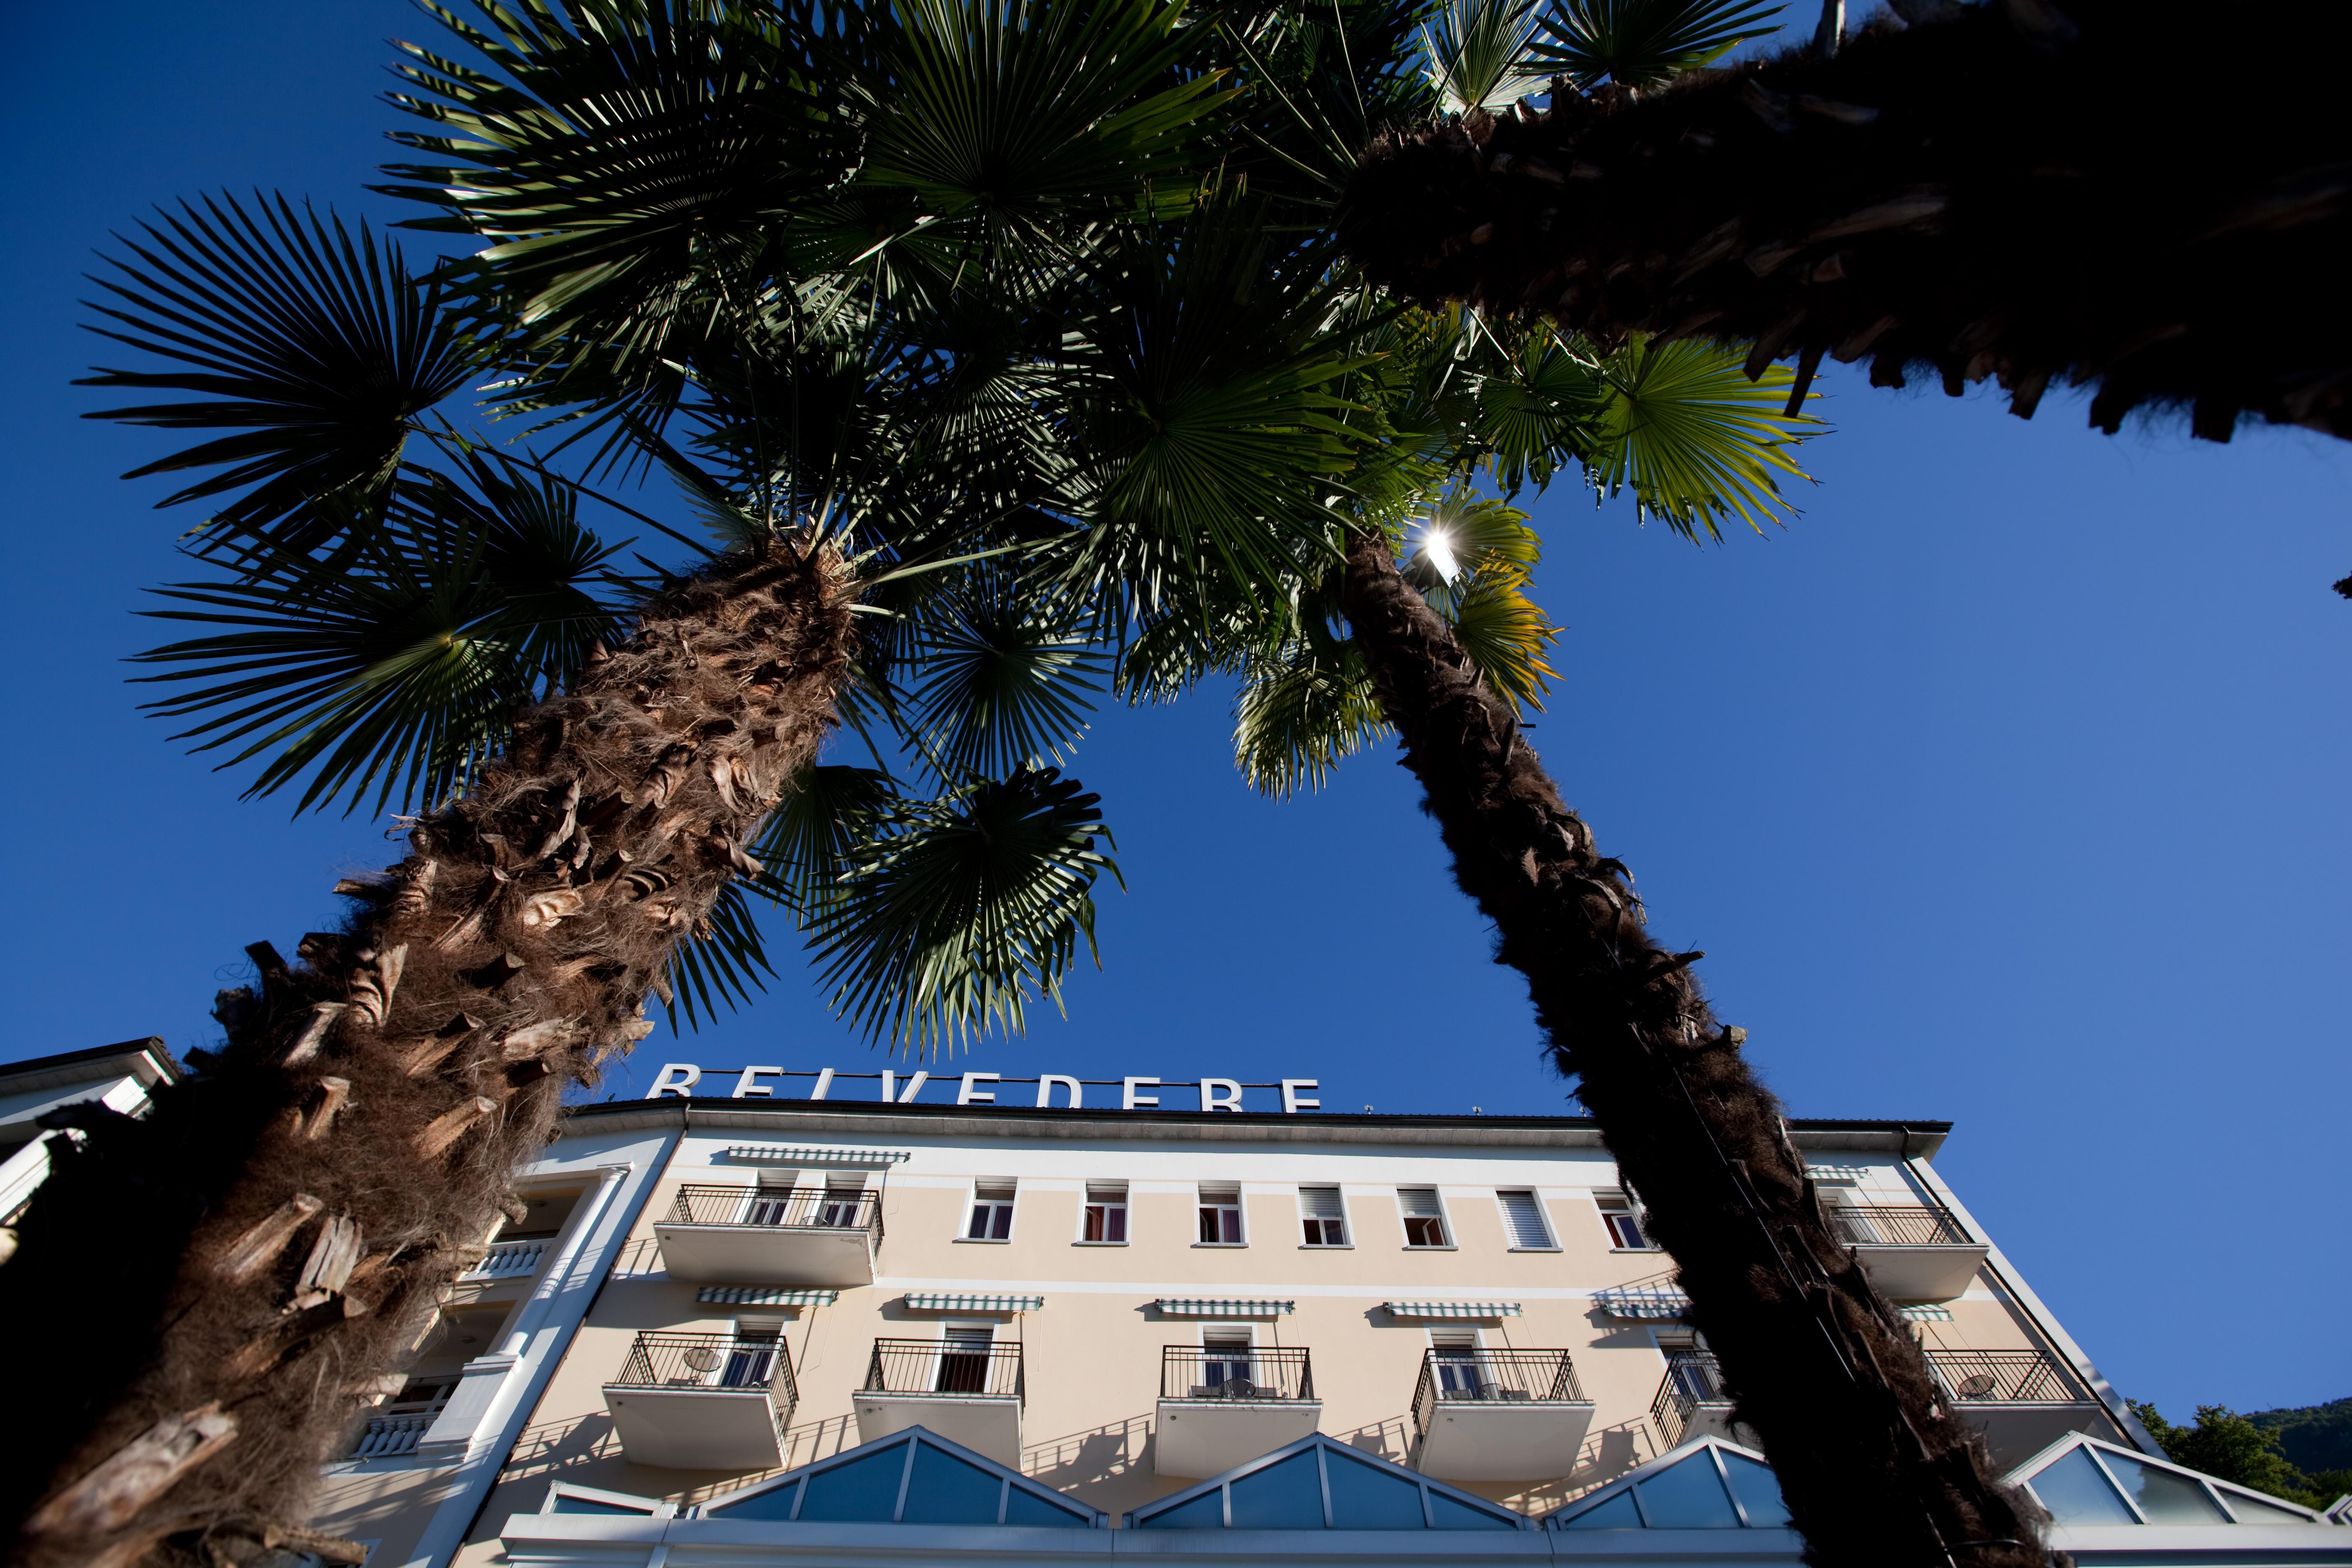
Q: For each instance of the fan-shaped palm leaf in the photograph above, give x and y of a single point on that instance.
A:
(1297, 718)
(1003, 670)
(1639, 42)
(1476, 49)
(1682, 427)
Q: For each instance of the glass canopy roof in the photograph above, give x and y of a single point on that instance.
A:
(1317, 1483)
(1706, 1484)
(2085, 1481)
(909, 1477)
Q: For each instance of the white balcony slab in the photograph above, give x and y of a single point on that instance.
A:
(767, 1254)
(1503, 1439)
(1194, 1438)
(986, 1423)
(1921, 1273)
(2016, 1431)
(695, 1428)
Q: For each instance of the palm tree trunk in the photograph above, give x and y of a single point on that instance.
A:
(2021, 192)
(201, 1299)
(1878, 1473)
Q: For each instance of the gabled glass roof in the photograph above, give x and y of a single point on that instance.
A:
(2087, 1481)
(1706, 1484)
(914, 1477)
(1319, 1483)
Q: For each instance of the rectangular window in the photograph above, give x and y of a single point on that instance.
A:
(1424, 1217)
(1455, 1363)
(991, 1212)
(963, 1360)
(1326, 1221)
(1225, 1358)
(1221, 1213)
(1106, 1220)
(1624, 1217)
(843, 1192)
(1523, 1217)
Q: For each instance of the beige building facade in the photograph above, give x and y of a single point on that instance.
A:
(1089, 1317)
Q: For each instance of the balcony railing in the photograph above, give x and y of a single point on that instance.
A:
(1897, 1225)
(1691, 1397)
(510, 1260)
(1267, 1372)
(2004, 1377)
(797, 1208)
(723, 1363)
(398, 1424)
(968, 1369)
(1498, 1376)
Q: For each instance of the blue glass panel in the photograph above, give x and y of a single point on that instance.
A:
(1444, 1513)
(1370, 1497)
(2252, 1511)
(1617, 1513)
(1688, 1496)
(2076, 1491)
(1285, 1495)
(1206, 1511)
(1028, 1508)
(1758, 1491)
(2165, 1496)
(864, 1489)
(946, 1490)
(776, 1502)
(566, 1503)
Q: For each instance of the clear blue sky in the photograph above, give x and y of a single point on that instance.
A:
(2006, 786)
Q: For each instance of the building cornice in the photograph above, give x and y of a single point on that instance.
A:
(148, 1060)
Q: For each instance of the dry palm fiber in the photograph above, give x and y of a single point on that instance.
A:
(2152, 199)
(270, 1245)
(1876, 1470)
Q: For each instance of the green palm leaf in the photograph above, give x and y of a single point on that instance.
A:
(1003, 670)
(721, 960)
(1637, 43)
(1682, 427)
(317, 346)
(1475, 49)
(1297, 718)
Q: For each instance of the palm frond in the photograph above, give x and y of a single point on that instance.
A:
(1476, 49)
(1682, 427)
(1506, 635)
(1003, 668)
(963, 908)
(721, 960)
(1297, 718)
(1637, 43)
(318, 347)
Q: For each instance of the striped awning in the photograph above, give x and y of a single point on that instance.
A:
(1835, 1172)
(1927, 1314)
(1171, 1307)
(918, 1301)
(1641, 1301)
(1452, 1309)
(766, 1296)
(773, 1154)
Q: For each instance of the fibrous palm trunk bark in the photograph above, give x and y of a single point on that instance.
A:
(2023, 191)
(201, 1299)
(1876, 1472)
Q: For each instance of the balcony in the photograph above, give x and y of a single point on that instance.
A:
(2022, 1401)
(1691, 1401)
(967, 1391)
(771, 1235)
(1219, 1407)
(508, 1261)
(1497, 1414)
(703, 1402)
(1912, 1253)
(398, 1424)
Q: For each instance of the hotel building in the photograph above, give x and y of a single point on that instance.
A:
(745, 1329)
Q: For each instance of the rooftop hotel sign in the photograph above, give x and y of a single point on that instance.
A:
(1055, 1091)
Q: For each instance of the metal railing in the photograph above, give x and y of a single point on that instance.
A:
(721, 1363)
(508, 1261)
(2005, 1377)
(1259, 1371)
(779, 1208)
(1694, 1379)
(971, 1368)
(1896, 1225)
(1492, 1376)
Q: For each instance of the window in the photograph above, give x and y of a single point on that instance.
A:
(1624, 1219)
(1523, 1219)
(771, 1200)
(1105, 1214)
(1455, 1363)
(1221, 1213)
(1224, 1355)
(1327, 1222)
(991, 1212)
(1424, 1217)
(844, 1192)
(752, 1359)
(964, 1354)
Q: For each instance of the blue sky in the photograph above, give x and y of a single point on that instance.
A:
(2005, 786)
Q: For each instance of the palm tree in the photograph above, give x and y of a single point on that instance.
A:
(2014, 190)
(960, 367)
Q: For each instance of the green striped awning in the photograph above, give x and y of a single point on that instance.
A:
(766, 1296)
(1835, 1172)
(1641, 1301)
(1185, 1308)
(1452, 1309)
(770, 1155)
(1927, 1314)
(918, 1301)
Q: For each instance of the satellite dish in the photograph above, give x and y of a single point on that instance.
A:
(1975, 1386)
(701, 1358)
